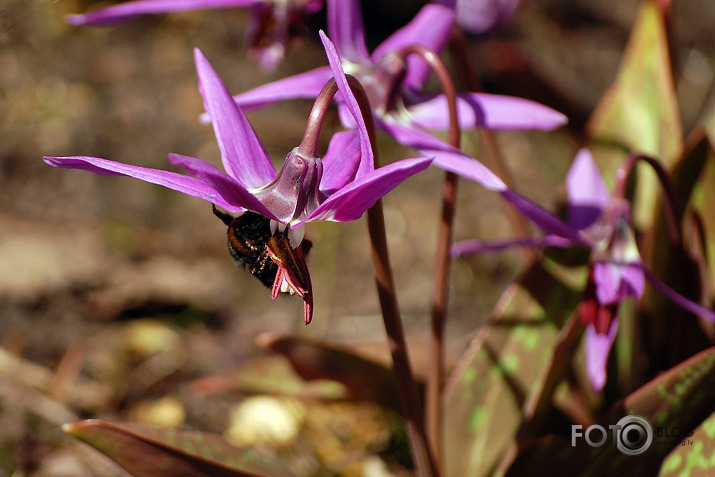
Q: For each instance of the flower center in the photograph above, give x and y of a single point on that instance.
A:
(295, 192)
(379, 80)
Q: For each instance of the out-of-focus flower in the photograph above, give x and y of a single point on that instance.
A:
(603, 224)
(482, 17)
(407, 115)
(274, 24)
(339, 187)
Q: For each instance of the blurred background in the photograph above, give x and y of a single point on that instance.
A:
(116, 295)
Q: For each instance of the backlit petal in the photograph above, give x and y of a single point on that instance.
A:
(128, 10)
(350, 202)
(242, 153)
(431, 28)
(228, 187)
(587, 192)
(598, 347)
(490, 111)
(345, 27)
(445, 156)
(172, 180)
(301, 86)
(340, 163)
(470, 247)
(367, 163)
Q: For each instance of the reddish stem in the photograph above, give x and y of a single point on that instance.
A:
(440, 300)
(424, 460)
(672, 217)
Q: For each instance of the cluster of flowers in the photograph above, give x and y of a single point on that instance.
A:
(346, 182)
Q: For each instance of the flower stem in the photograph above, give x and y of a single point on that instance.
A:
(672, 216)
(424, 461)
(309, 144)
(436, 373)
(459, 47)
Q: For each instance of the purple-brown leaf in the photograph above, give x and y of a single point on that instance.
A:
(146, 451)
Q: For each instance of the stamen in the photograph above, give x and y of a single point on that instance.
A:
(277, 227)
(296, 235)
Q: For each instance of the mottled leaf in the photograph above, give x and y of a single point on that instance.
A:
(503, 366)
(271, 375)
(364, 377)
(695, 456)
(674, 403)
(146, 451)
(639, 112)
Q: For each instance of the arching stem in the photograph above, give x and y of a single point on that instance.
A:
(440, 299)
(672, 217)
(423, 458)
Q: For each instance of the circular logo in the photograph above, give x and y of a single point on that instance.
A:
(634, 435)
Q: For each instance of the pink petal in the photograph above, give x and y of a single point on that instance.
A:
(345, 27)
(598, 347)
(128, 10)
(489, 111)
(431, 28)
(587, 192)
(350, 202)
(229, 188)
(301, 86)
(171, 180)
(470, 247)
(340, 163)
(367, 164)
(243, 155)
(692, 307)
(616, 282)
(445, 156)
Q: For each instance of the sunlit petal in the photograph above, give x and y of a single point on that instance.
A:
(490, 111)
(340, 163)
(228, 187)
(431, 28)
(598, 347)
(345, 27)
(350, 202)
(171, 180)
(367, 163)
(243, 155)
(125, 11)
(587, 191)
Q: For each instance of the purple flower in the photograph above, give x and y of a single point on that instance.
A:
(603, 224)
(274, 24)
(382, 71)
(482, 17)
(339, 187)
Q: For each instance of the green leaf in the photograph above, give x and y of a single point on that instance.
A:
(503, 366)
(702, 200)
(695, 456)
(366, 376)
(639, 113)
(272, 375)
(674, 266)
(146, 451)
(681, 398)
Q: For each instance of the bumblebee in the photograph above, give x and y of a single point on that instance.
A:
(253, 246)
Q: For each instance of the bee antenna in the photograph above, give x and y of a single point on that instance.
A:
(225, 218)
